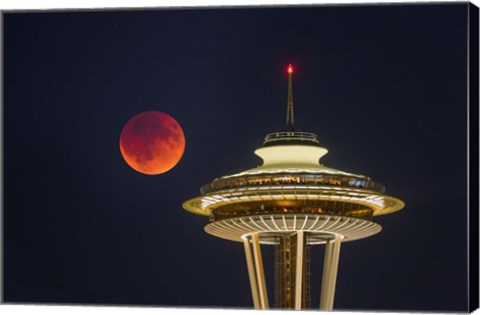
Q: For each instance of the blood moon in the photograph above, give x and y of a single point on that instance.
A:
(152, 142)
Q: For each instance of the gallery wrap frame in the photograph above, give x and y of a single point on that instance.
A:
(472, 154)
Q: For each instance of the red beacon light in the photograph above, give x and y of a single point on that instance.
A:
(290, 69)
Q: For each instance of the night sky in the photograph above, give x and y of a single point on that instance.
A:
(384, 87)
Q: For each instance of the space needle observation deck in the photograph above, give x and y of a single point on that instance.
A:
(292, 202)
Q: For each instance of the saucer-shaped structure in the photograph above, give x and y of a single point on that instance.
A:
(292, 191)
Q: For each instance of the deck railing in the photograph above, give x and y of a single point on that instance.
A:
(282, 179)
(290, 136)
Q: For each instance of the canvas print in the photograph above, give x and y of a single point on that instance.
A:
(297, 157)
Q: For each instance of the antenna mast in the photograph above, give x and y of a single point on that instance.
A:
(290, 117)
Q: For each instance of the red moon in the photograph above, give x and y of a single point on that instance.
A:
(152, 142)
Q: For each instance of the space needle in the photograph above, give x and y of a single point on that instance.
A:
(292, 202)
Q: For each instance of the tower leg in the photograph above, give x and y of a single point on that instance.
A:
(255, 271)
(299, 272)
(257, 256)
(251, 273)
(330, 267)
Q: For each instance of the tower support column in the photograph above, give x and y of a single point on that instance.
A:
(251, 273)
(299, 272)
(330, 268)
(256, 273)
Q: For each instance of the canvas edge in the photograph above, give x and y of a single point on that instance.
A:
(473, 156)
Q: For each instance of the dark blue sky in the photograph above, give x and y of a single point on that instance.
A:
(384, 87)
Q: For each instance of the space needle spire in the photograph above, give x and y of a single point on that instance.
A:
(290, 117)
